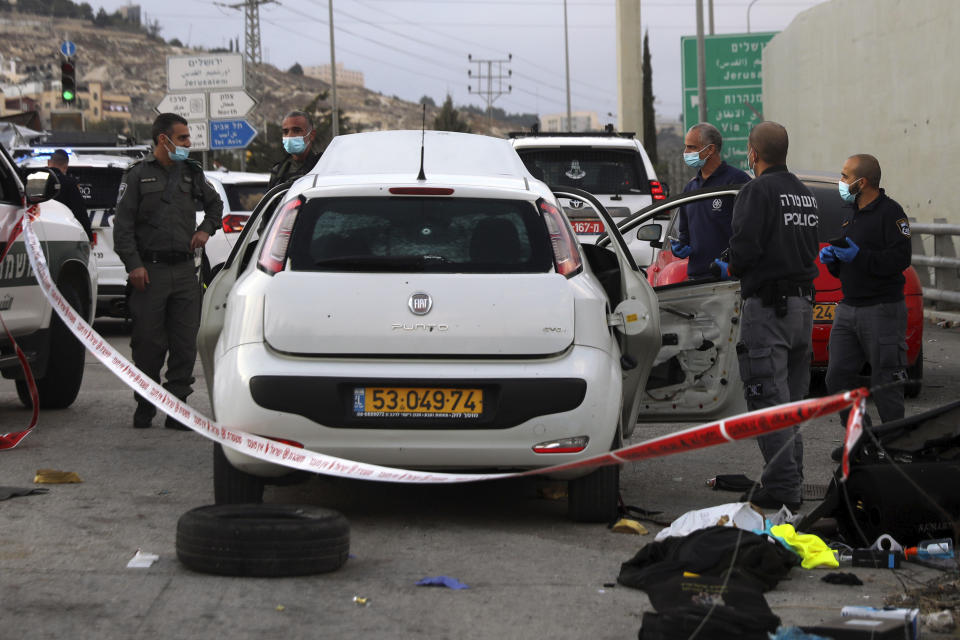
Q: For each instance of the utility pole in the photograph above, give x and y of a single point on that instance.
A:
(566, 58)
(335, 113)
(701, 64)
(494, 81)
(711, 16)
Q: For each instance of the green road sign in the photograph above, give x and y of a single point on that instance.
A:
(734, 81)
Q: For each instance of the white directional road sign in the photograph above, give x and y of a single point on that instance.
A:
(199, 137)
(192, 106)
(230, 104)
(205, 72)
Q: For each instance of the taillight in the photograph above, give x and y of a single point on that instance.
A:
(234, 222)
(566, 256)
(93, 242)
(273, 251)
(564, 445)
(656, 190)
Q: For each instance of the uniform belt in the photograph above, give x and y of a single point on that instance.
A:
(788, 291)
(166, 257)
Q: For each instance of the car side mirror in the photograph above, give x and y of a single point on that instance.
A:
(650, 232)
(41, 185)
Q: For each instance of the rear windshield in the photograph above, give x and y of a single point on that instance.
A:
(244, 196)
(98, 185)
(593, 170)
(442, 235)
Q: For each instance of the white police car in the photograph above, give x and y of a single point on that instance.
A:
(56, 357)
(444, 316)
(240, 192)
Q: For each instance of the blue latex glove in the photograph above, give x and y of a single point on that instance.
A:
(724, 268)
(827, 255)
(847, 254)
(680, 250)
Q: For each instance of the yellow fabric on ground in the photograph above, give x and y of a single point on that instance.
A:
(813, 550)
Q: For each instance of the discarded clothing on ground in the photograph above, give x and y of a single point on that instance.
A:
(842, 578)
(712, 551)
(814, 551)
(735, 514)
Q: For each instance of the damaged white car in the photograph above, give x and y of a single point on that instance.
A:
(420, 301)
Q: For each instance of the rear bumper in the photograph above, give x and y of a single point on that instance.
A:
(575, 394)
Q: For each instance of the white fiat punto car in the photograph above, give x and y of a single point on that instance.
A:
(420, 301)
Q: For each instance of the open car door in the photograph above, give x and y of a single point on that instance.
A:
(634, 320)
(694, 376)
(214, 307)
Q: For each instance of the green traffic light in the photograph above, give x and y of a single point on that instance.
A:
(68, 96)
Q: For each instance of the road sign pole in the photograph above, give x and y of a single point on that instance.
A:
(701, 64)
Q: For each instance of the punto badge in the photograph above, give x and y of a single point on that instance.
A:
(420, 304)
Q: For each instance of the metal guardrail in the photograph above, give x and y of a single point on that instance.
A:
(941, 277)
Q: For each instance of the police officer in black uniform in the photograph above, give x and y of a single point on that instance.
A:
(69, 193)
(298, 141)
(773, 251)
(870, 323)
(155, 234)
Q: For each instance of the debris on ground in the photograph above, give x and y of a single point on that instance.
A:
(13, 492)
(141, 560)
(442, 581)
(938, 601)
(626, 525)
(54, 476)
(360, 601)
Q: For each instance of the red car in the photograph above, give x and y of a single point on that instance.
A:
(667, 270)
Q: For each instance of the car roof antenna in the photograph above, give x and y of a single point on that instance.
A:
(423, 128)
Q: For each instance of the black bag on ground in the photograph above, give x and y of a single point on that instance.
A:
(903, 482)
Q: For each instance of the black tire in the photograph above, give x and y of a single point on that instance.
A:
(914, 377)
(61, 381)
(593, 497)
(263, 540)
(232, 486)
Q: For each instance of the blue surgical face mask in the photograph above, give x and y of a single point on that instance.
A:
(845, 190)
(179, 154)
(294, 145)
(693, 159)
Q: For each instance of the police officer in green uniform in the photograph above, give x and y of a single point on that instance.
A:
(155, 234)
(298, 141)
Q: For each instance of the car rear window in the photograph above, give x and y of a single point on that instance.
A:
(587, 168)
(442, 235)
(98, 185)
(244, 196)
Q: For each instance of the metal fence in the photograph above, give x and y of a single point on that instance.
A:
(940, 272)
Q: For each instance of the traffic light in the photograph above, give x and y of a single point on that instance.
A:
(68, 81)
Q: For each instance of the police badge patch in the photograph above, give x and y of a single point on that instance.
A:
(904, 226)
(717, 203)
(123, 190)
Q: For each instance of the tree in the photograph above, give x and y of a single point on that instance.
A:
(449, 118)
(649, 115)
(175, 43)
(296, 69)
(427, 100)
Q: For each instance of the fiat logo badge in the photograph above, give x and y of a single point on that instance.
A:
(420, 304)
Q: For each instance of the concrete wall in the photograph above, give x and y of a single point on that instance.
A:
(878, 77)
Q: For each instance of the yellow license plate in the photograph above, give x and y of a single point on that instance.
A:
(417, 402)
(823, 312)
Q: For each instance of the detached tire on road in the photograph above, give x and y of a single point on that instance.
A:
(262, 540)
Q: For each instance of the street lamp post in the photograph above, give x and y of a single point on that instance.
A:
(334, 115)
(749, 6)
(566, 55)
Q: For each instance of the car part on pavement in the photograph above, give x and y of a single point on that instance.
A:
(263, 540)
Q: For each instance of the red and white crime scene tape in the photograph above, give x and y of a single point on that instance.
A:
(747, 425)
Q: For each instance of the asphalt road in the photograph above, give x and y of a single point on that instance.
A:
(531, 572)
